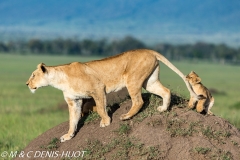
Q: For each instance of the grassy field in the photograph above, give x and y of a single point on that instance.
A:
(24, 115)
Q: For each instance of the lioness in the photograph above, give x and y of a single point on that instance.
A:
(132, 69)
(204, 104)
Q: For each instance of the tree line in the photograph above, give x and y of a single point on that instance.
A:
(104, 47)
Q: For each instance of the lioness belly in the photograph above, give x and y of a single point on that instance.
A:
(115, 87)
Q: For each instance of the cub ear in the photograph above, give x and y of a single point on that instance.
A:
(42, 67)
(198, 80)
(192, 72)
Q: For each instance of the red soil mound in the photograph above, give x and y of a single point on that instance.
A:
(177, 134)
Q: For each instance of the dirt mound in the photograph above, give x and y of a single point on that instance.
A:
(176, 134)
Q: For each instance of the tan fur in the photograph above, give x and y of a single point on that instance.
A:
(133, 69)
(204, 104)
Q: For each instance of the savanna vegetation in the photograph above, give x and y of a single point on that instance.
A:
(25, 115)
(103, 47)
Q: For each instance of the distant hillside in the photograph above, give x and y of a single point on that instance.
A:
(170, 20)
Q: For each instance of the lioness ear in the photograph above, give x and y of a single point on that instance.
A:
(42, 67)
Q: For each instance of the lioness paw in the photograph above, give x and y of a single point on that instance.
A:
(105, 122)
(161, 108)
(66, 137)
(124, 117)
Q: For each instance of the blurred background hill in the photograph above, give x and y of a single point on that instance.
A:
(208, 30)
(151, 21)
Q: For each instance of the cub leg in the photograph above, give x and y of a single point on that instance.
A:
(74, 107)
(100, 100)
(200, 105)
(210, 106)
(153, 85)
(137, 103)
(192, 103)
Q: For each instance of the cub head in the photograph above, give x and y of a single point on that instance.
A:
(38, 78)
(193, 78)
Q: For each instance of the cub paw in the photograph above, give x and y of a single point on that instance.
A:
(124, 117)
(199, 109)
(66, 137)
(105, 122)
(210, 113)
(190, 106)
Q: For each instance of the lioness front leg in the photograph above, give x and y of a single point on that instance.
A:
(74, 107)
(100, 100)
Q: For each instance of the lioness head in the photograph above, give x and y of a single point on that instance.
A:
(38, 78)
(193, 78)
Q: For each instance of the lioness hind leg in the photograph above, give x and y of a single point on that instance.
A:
(137, 103)
(153, 85)
(158, 89)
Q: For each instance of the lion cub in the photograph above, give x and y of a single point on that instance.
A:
(206, 103)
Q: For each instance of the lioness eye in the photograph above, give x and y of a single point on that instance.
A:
(33, 76)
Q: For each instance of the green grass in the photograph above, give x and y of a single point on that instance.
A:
(124, 128)
(24, 115)
(53, 144)
(202, 150)
(121, 147)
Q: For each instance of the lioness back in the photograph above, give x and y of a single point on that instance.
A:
(115, 70)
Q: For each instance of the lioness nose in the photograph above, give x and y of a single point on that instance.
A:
(27, 83)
